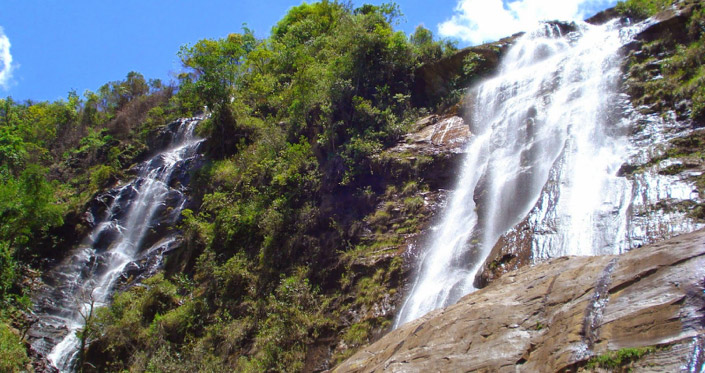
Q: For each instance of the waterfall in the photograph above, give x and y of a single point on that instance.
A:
(85, 279)
(549, 134)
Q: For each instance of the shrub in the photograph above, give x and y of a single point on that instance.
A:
(642, 8)
(101, 176)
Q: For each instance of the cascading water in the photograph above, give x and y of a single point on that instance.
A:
(85, 279)
(549, 137)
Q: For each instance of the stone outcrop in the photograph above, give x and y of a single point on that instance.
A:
(432, 153)
(558, 315)
(512, 251)
(414, 175)
(438, 79)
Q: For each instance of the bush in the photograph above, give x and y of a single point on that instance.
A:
(7, 271)
(642, 8)
(101, 176)
(619, 358)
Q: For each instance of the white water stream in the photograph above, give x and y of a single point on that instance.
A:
(549, 136)
(86, 278)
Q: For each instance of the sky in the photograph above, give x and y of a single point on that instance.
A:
(50, 47)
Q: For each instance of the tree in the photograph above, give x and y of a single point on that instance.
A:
(27, 206)
(85, 302)
(216, 65)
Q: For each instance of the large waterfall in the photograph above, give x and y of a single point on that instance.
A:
(549, 135)
(85, 279)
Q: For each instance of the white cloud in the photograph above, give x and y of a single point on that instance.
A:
(478, 21)
(5, 60)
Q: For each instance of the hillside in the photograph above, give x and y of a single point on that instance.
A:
(291, 239)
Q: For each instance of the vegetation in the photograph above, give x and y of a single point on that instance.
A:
(13, 357)
(676, 80)
(53, 158)
(620, 359)
(291, 244)
(294, 123)
(666, 76)
(642, 9)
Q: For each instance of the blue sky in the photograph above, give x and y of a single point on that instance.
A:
(57, 46)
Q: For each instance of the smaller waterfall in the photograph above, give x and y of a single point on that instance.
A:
(85, 279)
(549, 126)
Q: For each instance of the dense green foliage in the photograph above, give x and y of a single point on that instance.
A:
(642, 8)
(295, 122)
(13, 357)
(53, 158)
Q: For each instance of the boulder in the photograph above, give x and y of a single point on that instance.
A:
(672, 22)
(559, 315)
(603, 16)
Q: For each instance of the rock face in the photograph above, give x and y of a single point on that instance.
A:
(440, 78)
(415, 174)
(558, 315)
(666, 170)
(433, 153)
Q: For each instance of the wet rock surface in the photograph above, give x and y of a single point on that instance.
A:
(439, 135)
(134, 227)
(664, 169)
(512, 251)
(559, 314)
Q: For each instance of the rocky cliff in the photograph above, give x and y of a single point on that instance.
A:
(644, 309)
(666, 127)
(296, 255)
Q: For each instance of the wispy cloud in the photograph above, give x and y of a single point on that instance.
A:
(478, 21)
(5, 60)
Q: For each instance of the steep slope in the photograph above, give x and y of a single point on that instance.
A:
(313, 206)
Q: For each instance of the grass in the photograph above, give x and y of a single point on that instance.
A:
(677, 75)
(642, 8)
(619, 359)
(13, 356)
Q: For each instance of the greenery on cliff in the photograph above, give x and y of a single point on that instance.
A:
(295, 121)
(264, 272)
(53, 158)
(667, 73)
(284, 263)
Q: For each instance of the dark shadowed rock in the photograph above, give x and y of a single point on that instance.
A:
(439, 78)
(673, 21)
(603, 16)
(512, 251)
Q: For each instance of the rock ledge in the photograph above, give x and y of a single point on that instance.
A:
(559, 314)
